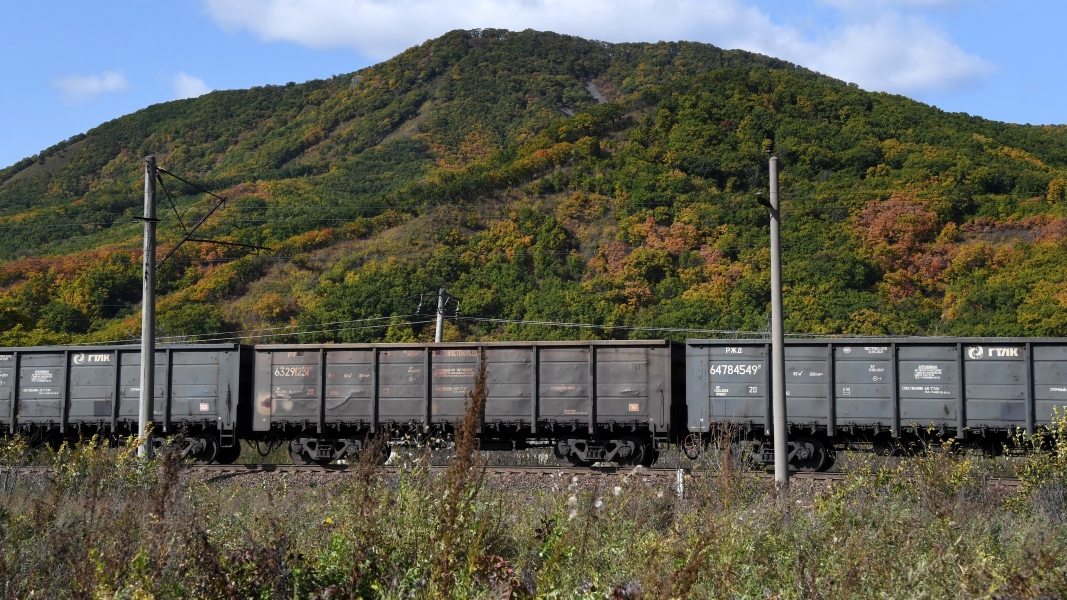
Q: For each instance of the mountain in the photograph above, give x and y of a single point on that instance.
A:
(543, 178)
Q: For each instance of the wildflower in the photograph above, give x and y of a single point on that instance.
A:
(617, 490)
(572, 502)
(659, 494)
(573, 514)
(328, 521)
(599, 503)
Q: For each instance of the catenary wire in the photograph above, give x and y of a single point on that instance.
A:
(237, 338)
(637, 328)
(271, 328)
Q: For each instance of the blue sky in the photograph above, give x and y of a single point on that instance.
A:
(66, 66)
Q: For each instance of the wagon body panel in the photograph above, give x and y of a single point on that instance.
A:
(960, 384)
(529, 385)
(68, 388)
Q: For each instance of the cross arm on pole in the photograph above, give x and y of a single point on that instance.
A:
(188, 237)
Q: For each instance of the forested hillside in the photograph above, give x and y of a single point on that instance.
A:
(544, 178)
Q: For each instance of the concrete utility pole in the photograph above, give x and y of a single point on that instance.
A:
(781, 435)
(439, 333)
(148, 309)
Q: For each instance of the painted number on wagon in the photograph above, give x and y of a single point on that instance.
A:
(731, 369)
(292, 371)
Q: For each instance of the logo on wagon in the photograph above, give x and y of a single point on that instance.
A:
(81, 358)
(977, 352)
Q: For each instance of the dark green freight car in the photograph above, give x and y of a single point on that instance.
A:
(52, 394)
(590, 401)
(890, 394)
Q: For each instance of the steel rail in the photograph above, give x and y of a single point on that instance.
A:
(500, 470)
(518, 470)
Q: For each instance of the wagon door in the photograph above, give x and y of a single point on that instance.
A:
(509, 382)
(7, 389)
(199, 387)
(1050, 382)
(928, 385)
(622, 385)
(453, 372)
(737, 384)
(863, 386)
(287, 387)
(41, 387)
(92, 386)
(995, 376)
(807, 376)
(564, 380)
(349, 380)
(130, 384)
(402, 391)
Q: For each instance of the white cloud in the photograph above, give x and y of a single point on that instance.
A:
(875, 5)
(879, 50)
(900, 54)
(84, 88)
(869, 5)
(187, 86)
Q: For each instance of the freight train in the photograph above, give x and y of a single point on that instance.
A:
(589, 401)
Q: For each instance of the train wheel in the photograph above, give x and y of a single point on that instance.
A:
(375, 451)
(228, 456)
(299, 457)
(831, 459)
(566, 458)
(816, 455)
(209, 452)
(745, 455)
(648, 457)
(642, 453)
(692, 446)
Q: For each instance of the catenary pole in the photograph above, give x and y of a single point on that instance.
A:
(781, 436)
(148, 309)
(440, 331)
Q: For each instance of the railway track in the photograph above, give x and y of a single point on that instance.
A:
(545, 471)
(219, 471)
(212, 472)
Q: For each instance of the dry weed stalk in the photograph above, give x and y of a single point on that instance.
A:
(461, 483)
(368, 507)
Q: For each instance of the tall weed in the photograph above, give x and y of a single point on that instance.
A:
(111, 526)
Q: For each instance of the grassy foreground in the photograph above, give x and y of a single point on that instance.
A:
(109, 526)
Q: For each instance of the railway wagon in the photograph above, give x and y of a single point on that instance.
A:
(591, 401)
(844, 392)
(51, 394)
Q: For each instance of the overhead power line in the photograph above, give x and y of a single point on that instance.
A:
(663, 329)
(229, 336)
(284, 331)
(190, 231)
(292, 328)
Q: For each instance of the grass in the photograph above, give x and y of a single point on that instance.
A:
(108, 525)
(930, 526)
